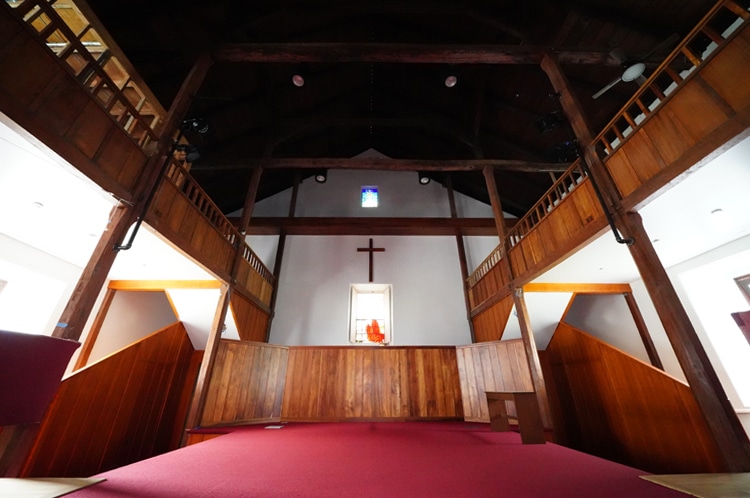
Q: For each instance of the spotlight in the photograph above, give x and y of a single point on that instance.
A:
(423, 178)
(197, 125)
(321, 176)
(298, 80)
(451, 80)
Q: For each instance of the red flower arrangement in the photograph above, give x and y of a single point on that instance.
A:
(374, 334)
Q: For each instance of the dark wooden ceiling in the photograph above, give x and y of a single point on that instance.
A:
(374, 76)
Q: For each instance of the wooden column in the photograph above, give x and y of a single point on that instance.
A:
(640, 324)
(532, 356)
(461, 255)
(280, 255)
(209, 355)
(497, 207)
(81, 303)
(700, 374)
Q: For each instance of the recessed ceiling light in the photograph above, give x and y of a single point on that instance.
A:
(451, 81)
(298, 80)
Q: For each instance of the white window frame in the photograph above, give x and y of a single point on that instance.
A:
(387, 291)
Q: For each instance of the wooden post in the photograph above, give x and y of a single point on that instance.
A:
(79, 307)
(532, 356)
(198, 402)
(280, 256)
(461, 255)
(640, 323)
(700, 374)
(497, 207)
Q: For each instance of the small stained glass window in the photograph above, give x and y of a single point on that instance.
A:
(369, 197)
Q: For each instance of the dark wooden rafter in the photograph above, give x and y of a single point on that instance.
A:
(405, 53)
(388, 164)
(372, 226)
(437, 125)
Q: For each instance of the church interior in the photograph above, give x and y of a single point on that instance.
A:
(421, 224)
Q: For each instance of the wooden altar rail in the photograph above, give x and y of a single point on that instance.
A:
(372, 383)
(184, 213)
(77, 40)
(612, 405)
(490, 366)
(126, 407)
(246, 384)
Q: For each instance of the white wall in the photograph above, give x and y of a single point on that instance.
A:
(608, 318)
(131, 316)
(707, 290)
(428, 302)
(39, 286)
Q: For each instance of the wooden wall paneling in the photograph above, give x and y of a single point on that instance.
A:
(728, 72)
(349, 383)
(692, 96)
(491, 366)
(490, 324)
(115, 411)
(623, 173)
(245, 384)
(625, 409)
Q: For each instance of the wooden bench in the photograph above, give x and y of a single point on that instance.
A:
(527, 412)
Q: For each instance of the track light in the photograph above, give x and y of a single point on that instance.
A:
(321, 175)
(423, 178)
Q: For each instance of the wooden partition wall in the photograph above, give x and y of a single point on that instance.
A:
(246, 385)
(489, 323)
(252, 319)
(609, 404)
(372, 383)
(119, 410)
(491, 366)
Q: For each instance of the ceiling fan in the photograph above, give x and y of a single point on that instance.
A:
(634, 68)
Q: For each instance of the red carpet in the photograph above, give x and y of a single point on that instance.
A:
(410, 459)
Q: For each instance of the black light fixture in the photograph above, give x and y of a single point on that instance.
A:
(321, 175)
(549, 122)
(423, 178)
(196, 125)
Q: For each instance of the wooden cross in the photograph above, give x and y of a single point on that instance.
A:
(371, 250)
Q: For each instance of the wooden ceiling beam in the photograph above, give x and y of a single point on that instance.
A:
(373, 226)
(405, 53)
(388, 164)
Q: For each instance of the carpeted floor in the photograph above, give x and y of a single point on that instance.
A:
(395, 459)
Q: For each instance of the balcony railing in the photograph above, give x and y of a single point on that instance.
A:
(73, 38)
(706, 39)
(714, 31)
(181, 179)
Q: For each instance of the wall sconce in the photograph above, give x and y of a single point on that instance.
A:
(321, 175)
(423, 178)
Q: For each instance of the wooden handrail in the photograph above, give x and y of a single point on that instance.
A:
(186, 184)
